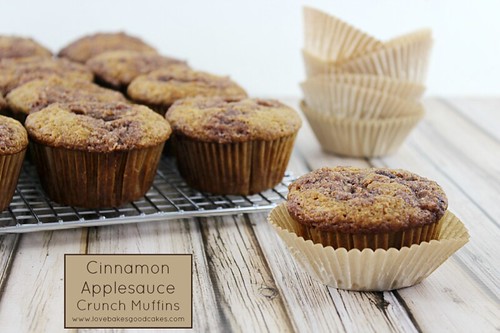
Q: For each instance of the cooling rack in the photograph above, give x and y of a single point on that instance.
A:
(169, 198)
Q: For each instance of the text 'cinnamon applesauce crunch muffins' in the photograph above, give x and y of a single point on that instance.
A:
(161, 88)
(19, 47)
(37, 94)
(13, 144)
(116, 69)
(96, 154)
(366, 208)
(232, 147)
(367, 229)
(89, 46)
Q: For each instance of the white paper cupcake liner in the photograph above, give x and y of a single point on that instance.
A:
(378, 270)
(316, 66)
(330, 38)
(390, 86)
(360, 138)
(347, 101)
(404, 58)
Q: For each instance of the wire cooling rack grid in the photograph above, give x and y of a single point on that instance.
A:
(169, 198)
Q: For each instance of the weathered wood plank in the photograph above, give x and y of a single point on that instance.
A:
(177, 236)
(246, 293)
(483, 112)
(33, 297)
(8, 245)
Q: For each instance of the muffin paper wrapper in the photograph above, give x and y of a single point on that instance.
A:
(332, 39)
(383, 84)
(378, 270)
(360, 138)
(233, 168)
(347, 101)
(405, 58)
(316, 66)
(92, 179)
(10, 168)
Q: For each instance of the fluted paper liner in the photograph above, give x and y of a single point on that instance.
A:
(330, 38)
(92, 179)
(390, 86)
(233, 168)
(405, 58)
(347, 101)
(360, 138)
(315, 66)
(10, 168)
(366, 269)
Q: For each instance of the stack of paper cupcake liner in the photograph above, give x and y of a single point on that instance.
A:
(361, 95)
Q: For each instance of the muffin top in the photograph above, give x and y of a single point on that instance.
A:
(119, 68)
(365, 201)
(15, 72)
(217, 120)
(165, 86)
(97, 127)
(13, 136)
(19, 47)
(37, 94)
(89, 46)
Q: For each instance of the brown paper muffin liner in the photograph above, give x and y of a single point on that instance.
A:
(94, 180)
(366, 269)
(390, 86)
(347, 101)
(332, 39)
(234, 168)
(316, 66)
(360, 138)
(404, 59)
(10, 168)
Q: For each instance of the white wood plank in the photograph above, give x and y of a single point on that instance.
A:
(176, 236)
(33, 298)
(8, 244)
(245, 290)
(484, 112)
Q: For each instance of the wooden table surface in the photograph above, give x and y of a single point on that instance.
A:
(246, 280)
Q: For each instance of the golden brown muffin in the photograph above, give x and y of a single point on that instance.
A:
(13, 144)
(117, 69)
(358, 208)
(89, 46)
(161, 88)
(15, 72)
(232, 147)
(37, 94)
(19, 47)
(96, 154)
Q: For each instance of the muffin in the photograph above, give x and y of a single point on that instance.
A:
(161, 88)
(19, 47)
(232, 147)
(37, 94)
(13, 144)
(3, 105)
(96, 154)
(15, 72)
(89, 46)
(347, 207)
(116, 69)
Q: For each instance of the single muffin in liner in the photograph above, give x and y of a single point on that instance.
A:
(366, 269)
(343, 100)
(360, 138)
(13, 144)
(330, 38)
(232, 147)
(404, 58)
(161, 88)
(383, 84)
(96, 154)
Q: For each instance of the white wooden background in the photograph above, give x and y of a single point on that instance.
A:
(245, 279)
